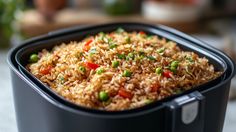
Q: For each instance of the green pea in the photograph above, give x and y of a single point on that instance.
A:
(103, 96)
(121, 56)
(127, 73)
(173, 69)
(115, 64)
(34, 58)
(82, 69)
(120, 30)
(174, 64)
(100, 71)
(159, 70)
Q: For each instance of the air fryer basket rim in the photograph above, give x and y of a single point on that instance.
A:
(44, 44)
(55, 34)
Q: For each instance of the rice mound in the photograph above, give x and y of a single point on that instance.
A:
(120, 70)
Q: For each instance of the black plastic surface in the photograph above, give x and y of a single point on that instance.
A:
(175, 113)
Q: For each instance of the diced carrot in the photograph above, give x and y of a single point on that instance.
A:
(126, 94)
(46, 70)
(112, 35)
(142, 33)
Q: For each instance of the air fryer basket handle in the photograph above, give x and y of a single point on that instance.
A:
(186, 113)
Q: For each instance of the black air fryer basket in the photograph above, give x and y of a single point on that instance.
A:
(39, 109)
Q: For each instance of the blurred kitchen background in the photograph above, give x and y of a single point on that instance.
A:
(212, 21)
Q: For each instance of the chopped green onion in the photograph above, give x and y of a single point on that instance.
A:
(127, 73)
(161, 50)
(141, 56)
(120, 30)
(178, 91)
(151, 58)
(141, 53)
(80, 54)
(167, 67)
(34, 58)
(149, 36)
(92, 51)
(127, 39)
(103, 96)
(115, 64)
(109, 40)
(100, 71)
(102, 33)
(82, 69)
(159, 70)
(62, 79)
(130, 56)
(148, 101)
(111, 46)
(190, 59)
(121, 56)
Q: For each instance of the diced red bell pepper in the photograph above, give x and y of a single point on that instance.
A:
(167, 74)
(126, 94)
(91, 65)
(46, 70)
(87, 45)
(112, 35)
(142, 33)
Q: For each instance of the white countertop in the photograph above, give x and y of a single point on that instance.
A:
(7, 115)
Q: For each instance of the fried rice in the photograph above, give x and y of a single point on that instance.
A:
(120, 70)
